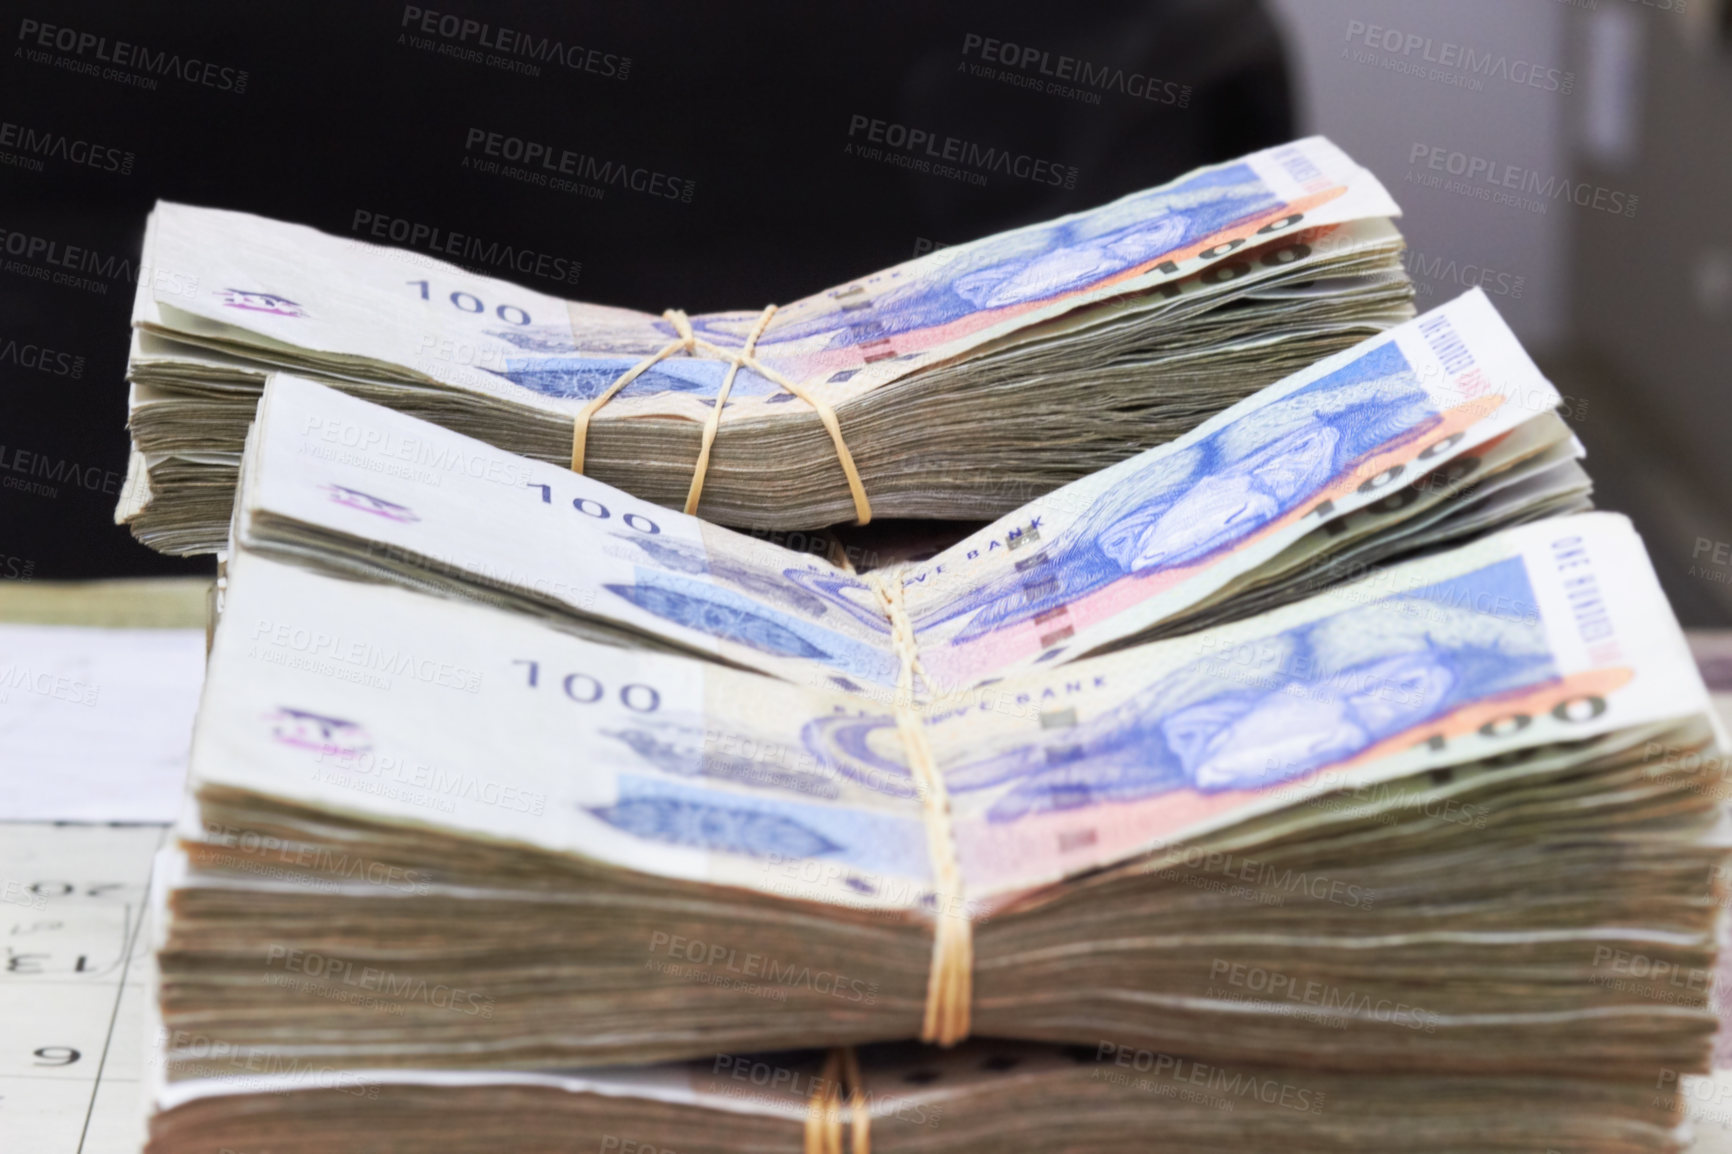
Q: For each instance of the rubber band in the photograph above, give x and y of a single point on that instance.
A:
(950, 982)
(580, 423)
(715, 421)
(856, 489)
(824, 1115)
(743, 358)
(860, 1134)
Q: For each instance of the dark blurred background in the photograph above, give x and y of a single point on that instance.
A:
(340, 114)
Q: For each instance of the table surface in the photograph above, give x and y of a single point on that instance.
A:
(154, 603)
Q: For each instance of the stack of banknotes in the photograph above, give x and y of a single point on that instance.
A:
(1005, 1097)
(1326, 778)
(963, 382)
(1439, 431)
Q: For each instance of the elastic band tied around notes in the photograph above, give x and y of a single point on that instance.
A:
(689, 343)
(950, 982)
(824, 1116)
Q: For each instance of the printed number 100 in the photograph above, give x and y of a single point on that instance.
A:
(470, 303)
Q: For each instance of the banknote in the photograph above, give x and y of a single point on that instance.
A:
(1365, 445)
(1366, 432)
(365, 697)
(325, 472)
(368, 699)
(877, 329)
(1549, 633)
(343, 302)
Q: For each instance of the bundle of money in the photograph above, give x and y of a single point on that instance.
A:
(1435, 432)
(956, 385)
(1420, 823)
(1017, 1098)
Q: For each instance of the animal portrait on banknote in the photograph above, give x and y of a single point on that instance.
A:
(1183, 508)
(1038, 264)
(1032, 266)
(1249, 715)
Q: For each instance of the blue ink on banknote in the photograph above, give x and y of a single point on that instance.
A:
(730, 616)
(710, 750)
(1188, 505)
(1284, 706)
(584, 378)
(715, 828)
(1254, 714)
(708, 611)
(1039, 263)
(863, 747)
(735, 821)
(764, 584)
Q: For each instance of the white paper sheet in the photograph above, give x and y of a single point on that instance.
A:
(72, 986)
(95, 724)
